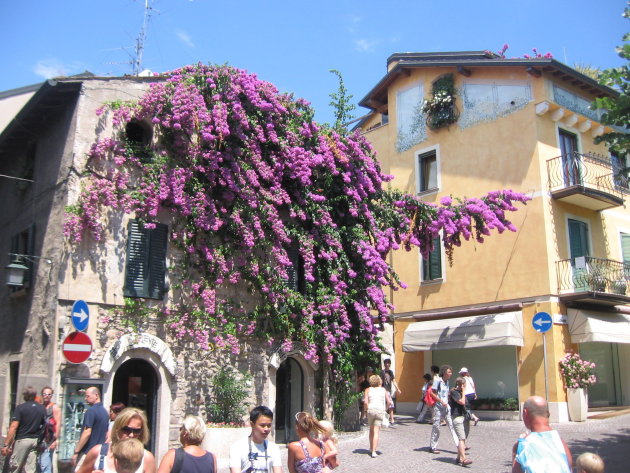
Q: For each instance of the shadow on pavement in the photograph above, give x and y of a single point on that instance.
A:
(613, 448)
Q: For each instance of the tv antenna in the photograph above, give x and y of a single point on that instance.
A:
(136, 61)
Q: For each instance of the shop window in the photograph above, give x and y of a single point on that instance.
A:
(432, 264)
(146, 260)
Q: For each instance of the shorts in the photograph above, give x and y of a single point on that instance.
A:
(375, 418)
(458, 426)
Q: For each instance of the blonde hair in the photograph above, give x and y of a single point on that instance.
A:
(128, 455)
(589, 463)
(307, 423)
(194, 428)
(123, 419)
(329, 431)
(375, 380)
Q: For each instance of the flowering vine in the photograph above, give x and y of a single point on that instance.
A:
(262, 200)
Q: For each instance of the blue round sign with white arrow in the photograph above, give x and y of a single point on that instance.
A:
(80, 315)
(542, 322)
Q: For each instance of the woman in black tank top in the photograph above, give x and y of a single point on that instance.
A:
(191, 458)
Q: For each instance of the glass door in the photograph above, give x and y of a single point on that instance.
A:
(605, 391)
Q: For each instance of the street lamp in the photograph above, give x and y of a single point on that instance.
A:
(16, 271)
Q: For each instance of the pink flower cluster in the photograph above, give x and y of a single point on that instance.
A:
(576, 372)
(256, 191)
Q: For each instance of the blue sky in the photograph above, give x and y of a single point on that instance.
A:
(294, 43)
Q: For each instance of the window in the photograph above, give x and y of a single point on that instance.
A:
(427, 171)
(432, 265)
(146, 260)
(620, 171)
(409, 118)
(138, 138)
(625, 253)
(296, 279)
(489, 101)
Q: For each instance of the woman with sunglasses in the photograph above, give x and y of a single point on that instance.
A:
(130, 423)
(307, 454)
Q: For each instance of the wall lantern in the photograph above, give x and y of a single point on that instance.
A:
(16, 271)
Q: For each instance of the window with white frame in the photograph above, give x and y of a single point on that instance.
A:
(432, 264)
(427, 171)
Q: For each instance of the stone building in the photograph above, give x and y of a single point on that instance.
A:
(43, 153)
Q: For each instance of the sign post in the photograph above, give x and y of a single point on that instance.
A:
(77, 347)
(80, 315)
(542, 322)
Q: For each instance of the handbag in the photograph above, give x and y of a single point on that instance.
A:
(428, 399)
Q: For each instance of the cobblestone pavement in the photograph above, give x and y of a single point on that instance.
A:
(404, 447)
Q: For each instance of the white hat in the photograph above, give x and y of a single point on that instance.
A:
(463, 370)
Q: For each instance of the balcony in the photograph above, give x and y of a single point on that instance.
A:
(585, 180)
(594, 280)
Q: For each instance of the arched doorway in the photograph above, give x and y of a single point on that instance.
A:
(289, 399)
(136, 385)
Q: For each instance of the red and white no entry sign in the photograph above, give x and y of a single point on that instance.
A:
(77, 347)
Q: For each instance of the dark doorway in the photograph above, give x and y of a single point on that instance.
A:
(289, 399)
(136, 385)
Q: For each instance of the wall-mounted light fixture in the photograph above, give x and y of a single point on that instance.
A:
(16, 271)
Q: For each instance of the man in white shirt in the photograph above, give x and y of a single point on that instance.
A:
(256, 454)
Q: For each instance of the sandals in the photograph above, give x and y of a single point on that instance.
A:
(433, 450)
(465, 462)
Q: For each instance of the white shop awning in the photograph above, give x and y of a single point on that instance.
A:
(488, 330)
(591, 326)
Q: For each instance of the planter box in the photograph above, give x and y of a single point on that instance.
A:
(497, 415)
(218, 440)
(577, 402)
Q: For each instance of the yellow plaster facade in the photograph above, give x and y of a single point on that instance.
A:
(518, 148)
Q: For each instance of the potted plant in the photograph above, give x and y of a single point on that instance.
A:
(510, 404)
(577, 375)
(226, 410)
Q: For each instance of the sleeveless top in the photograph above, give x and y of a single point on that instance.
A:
(376, 399)
(202, 464)
(310, 464)
(542, 452)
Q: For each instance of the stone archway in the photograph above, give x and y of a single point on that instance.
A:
(132, 353)
(281, 365)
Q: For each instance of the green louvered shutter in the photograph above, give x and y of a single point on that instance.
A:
(146, 261)
(432, 266)
(293, 271)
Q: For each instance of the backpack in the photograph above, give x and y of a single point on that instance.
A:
(428, 399)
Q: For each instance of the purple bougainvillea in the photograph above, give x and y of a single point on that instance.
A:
(246, 177)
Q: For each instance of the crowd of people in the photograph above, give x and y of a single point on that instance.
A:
(115, 442)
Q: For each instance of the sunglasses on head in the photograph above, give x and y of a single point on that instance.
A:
(299, 415)
(131, 430)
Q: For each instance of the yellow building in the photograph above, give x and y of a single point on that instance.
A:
(521, 124)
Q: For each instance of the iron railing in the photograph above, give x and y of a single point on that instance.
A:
(585, 170)
(587, 273)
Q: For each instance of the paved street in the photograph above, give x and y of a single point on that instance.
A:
(404, 447)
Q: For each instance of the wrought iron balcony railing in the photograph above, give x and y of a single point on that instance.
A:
(588, 172)
(589, 274)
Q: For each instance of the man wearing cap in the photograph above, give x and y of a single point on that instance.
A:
(469, 391)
